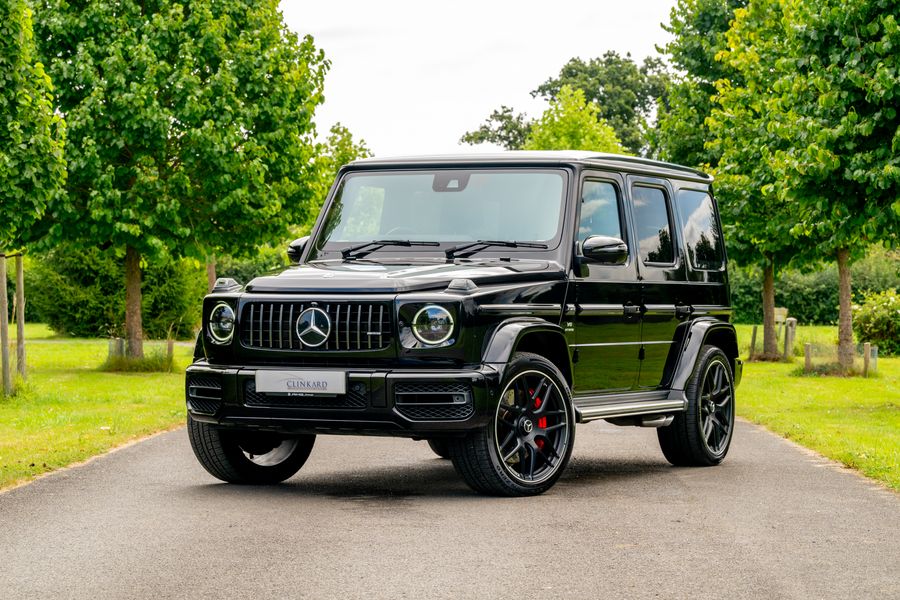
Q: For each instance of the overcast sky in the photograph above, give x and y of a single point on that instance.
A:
(411, 77)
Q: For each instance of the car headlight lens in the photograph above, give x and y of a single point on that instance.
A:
(221, 323)
(433, 325)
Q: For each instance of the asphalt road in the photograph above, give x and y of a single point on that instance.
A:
(383, 518)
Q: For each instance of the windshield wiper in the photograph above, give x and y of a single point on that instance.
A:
(360, 250)
(473, 247)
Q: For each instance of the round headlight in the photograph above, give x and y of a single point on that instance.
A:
(221, 323)
(433, 325)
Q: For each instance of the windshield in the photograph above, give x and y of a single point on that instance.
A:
(445, 206)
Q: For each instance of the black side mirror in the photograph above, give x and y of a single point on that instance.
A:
(295, 249)
(605, 250)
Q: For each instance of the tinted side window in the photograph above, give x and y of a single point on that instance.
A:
(651, 216)
(700, 229)
(599, 210)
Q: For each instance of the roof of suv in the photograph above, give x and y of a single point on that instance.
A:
(544, 157)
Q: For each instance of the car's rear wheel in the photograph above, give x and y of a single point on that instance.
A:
(248, 457)
(701, 435)
(440, 447)
(527, 445)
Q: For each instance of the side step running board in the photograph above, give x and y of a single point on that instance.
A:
(628, 405)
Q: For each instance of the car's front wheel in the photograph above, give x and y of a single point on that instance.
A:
(248, 457)
(526, 446)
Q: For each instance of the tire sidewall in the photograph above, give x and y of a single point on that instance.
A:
(523, 362)
(711, 356)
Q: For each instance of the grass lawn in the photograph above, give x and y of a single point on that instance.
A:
(69, 411)
(852, 420)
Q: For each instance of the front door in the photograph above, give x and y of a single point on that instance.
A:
(664, 289)
(607, 297)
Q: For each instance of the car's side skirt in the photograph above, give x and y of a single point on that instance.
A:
(606, 406)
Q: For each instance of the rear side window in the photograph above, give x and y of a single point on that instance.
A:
(599, 210)
(654, 225)
(700, 229)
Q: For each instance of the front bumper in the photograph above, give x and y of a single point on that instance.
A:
(400, 402)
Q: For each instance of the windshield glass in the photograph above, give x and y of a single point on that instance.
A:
(445, 206)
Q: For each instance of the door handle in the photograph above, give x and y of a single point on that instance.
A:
(683, 311)
(631, 311)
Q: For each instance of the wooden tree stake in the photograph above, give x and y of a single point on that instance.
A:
(867, 356)
(20, 315)
(807, 354)
(752, 343)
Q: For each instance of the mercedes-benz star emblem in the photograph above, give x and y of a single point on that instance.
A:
(313, 327)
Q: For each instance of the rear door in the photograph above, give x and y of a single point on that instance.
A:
(607, 297)
(661, 266)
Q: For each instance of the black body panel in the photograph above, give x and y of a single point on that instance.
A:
(623, 335)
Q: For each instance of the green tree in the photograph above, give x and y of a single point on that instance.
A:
(503, 128)
(758, 221)
(190, 128)
(624, 92)
(32, 168)
(835, 102)
(698, 29)
(572, 123)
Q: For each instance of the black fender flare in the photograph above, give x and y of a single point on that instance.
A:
(699, 332)
(507, 338)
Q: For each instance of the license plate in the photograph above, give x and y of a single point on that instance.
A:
(301, 383)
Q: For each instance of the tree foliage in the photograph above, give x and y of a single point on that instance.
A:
(698, 29)
(572, 123)
(818, 95)
(503, 128)
(32, 168)
(190, 126)
(624, 94)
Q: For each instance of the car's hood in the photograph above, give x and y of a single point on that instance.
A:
(371, 277)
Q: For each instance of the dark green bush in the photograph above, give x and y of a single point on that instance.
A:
(812, 297)
(82, 293)
(877, 320)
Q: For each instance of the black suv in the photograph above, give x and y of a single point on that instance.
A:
(483, 303)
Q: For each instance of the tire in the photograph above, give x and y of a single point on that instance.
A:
(248, 457)
(533, 424)
(440, 447)
(701, 435)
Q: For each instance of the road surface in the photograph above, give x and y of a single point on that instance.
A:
(383, 518)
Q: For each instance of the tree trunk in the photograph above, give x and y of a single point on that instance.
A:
(134, 338)
(846, 351)
(770, 343)
(210, 272)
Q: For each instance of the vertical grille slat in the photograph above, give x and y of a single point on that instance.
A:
(336, 326)
(355, 326)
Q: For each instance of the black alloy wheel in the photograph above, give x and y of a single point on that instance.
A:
(702, 434)
(532, 427)
(527, 445)
(716, 408)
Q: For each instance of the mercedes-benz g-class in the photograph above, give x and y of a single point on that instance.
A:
(486, 304)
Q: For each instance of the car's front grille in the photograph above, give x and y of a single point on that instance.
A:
(433, 401)
(204, 394)
(353, 325)
(352, 399)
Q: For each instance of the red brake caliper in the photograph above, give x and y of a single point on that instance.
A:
(542, 421)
